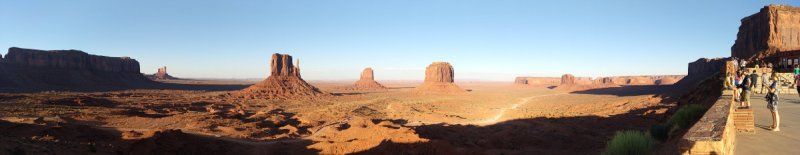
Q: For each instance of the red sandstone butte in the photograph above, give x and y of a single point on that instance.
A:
(439, 79)
(367, 81)
(162, 75)
(284, 82)
(774, 29)
(567, 79)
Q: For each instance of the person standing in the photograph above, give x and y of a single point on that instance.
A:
(746, 85)
(764, 83)
(772, 103)
(754, 79)
(797, 83)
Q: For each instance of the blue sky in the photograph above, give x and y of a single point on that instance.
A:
(335, 40)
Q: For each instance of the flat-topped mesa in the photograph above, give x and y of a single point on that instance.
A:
(69, 59)
(775, 29)
(35, 70)
(439, 79)
(284, 82)
(367, 81)
(567, 79)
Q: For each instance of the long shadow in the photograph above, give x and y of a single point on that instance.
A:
(542, 135)
(630, 90)
(18, 138)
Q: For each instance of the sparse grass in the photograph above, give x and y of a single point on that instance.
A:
(630, 143)
(684, 118)
(687, 115)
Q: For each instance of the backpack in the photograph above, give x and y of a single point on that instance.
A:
(746, 83)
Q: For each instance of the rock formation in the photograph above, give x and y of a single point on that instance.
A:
(774, 29)
(439, 79)
(29, 69)
(284, 82)
(161, 75)
(567, 79)
(367, 81)
(537, 81)
(707, 66)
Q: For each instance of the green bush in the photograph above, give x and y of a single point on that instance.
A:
(687, 115)
(660, 132)
(630, 143)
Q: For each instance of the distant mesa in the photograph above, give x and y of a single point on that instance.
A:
(367, 81)
(439, 79)
(567, 79)
(161, 75)
(34, 70)
(284, 82)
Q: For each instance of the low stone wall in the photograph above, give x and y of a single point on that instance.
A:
(714, 133)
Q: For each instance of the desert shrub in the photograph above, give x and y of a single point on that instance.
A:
(661, 132)
(687, 115)
(630, 143)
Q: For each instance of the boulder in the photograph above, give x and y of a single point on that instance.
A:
(284, 82)
(773, 30)
(367, 81)
(439, 79)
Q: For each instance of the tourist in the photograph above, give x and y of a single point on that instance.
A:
(797, 83)
(737, 81)
(754, 79)
(729, 85)
(772, 103)
(764, 83)
(745, 85)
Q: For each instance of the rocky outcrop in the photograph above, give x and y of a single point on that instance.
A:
(439, 79)
(284, 82)
(537, 81)
(367, 81)
(30, 69)
(773, 30)
(162, 75)
(707, 65)
(567, 79)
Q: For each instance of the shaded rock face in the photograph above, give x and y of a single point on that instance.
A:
(32, 70)
(774, 29)
(708, 66)
(567, 79)
(439, 79)
(69, 59)
(284, 82)
(367, 81)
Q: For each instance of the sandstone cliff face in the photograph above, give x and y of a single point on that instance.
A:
(69, 59)
(367, 81)
(567, 79)
(774, 29)
(707, 66)
(537, 81)
(162, 74)
(439, 79)
(31, 70)
(284, 82)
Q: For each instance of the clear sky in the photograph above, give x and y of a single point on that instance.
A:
(335, 40)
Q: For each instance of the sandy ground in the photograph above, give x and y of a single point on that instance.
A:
(492, 118)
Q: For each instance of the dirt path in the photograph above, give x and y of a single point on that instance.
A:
(496, 118)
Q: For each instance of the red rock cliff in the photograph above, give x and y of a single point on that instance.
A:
(774, 29)
(284, 82)
(439, 79)
(69, 59)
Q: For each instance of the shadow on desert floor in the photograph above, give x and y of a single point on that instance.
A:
(631, 90)
(541, 135)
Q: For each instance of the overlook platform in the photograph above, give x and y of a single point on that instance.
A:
(763, 141)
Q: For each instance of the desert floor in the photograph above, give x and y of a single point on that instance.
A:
(491, 118)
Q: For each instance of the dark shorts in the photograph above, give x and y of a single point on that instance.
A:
(772, 106)
(745, 96)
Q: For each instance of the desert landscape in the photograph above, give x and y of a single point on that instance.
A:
(286, 114)
(72, 101)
